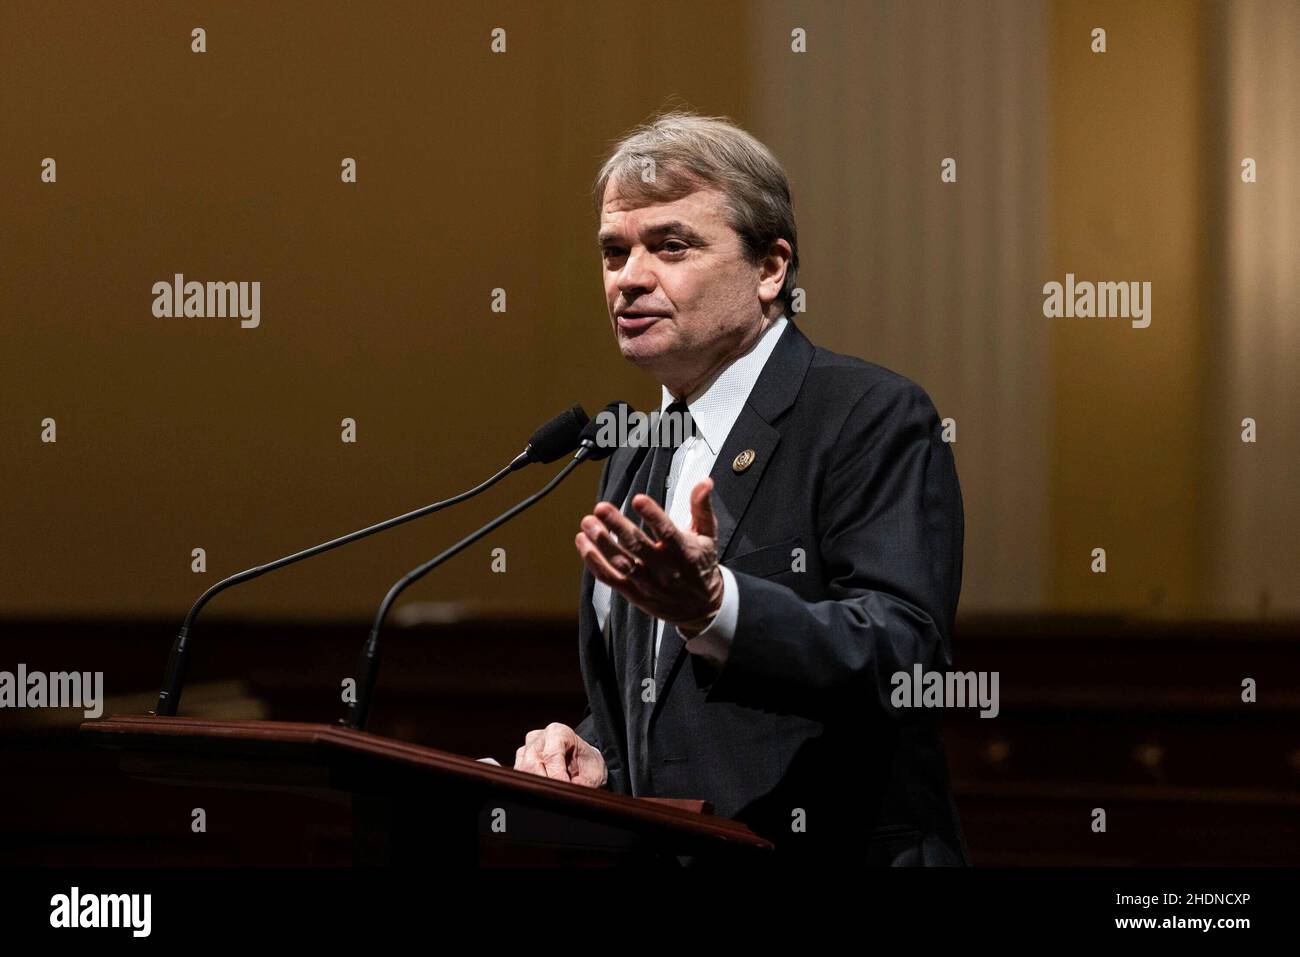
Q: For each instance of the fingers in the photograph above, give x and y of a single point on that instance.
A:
(667, 533)
(557, 752)
(587, 766)
(547, 752)
(635, 541)
(610, 544)
(703, 521)
(599, 565)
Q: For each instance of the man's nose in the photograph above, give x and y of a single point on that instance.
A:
(636, 272)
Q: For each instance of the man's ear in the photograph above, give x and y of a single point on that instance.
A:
(773, 268)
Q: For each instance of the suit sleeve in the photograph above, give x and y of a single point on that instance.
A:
(890, 529)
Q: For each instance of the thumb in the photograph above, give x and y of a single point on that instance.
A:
(703, 521)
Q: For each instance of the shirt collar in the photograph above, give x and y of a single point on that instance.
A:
(716, 404)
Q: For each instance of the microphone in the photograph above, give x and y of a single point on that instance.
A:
(554, 439)
(589, 448)
(551, 441)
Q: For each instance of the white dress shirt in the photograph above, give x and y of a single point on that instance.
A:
(714, 408)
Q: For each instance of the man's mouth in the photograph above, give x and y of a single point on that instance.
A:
(637, 321)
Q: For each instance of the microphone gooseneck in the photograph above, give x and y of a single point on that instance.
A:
(368, 665)
(567, 427)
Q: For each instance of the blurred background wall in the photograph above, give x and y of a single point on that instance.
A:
(473, 171)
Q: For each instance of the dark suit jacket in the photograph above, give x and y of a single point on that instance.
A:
(795, 735)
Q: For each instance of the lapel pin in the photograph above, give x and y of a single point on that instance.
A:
(743, 461)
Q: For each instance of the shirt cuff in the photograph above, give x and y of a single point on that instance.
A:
(714, 642)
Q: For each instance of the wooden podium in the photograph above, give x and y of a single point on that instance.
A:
(413, 805)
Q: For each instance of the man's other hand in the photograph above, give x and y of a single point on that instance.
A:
(557, 752)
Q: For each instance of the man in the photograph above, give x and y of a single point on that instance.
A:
(737, 644)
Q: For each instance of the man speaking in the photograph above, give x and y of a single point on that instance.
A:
(750, 591)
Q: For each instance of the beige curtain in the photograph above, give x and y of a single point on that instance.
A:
(937, 281)
(1255, 563)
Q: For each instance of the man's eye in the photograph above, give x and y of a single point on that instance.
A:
(674, 246)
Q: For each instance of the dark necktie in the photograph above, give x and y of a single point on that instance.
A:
(631, 624)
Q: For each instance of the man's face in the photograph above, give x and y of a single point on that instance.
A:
(681, 296)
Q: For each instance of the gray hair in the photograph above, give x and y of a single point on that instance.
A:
(689, 151)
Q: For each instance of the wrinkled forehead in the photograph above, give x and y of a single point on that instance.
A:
(700, 207)
(639, 182)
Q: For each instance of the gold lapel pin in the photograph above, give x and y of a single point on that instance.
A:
(743, 461)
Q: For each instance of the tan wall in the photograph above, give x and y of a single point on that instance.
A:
(938, 281)
(473, 174)
(172, 434)
(1254, 560)
(1127, 183)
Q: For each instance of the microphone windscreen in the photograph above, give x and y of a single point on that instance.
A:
(620, 411)
(558, 437)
